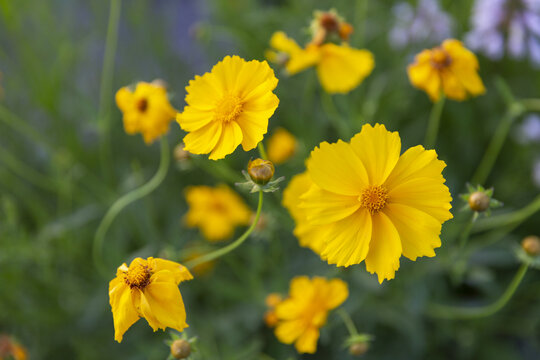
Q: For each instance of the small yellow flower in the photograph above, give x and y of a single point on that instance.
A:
(450, 69)
(374, 204)
(216, 211)
(148, 288)
(311, 236)
(304, 312)
(146, 110)
(340, 68)
(271, 301)
(228, 106)
(281, 146)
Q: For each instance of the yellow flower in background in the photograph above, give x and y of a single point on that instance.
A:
(216, 211)
(228, 106)
(304, 312)
(340, 68)
(376, 204)
(148, 288)
(11, 349)
(271, 301)
(146, 110)
(311, 236)
(450, 69)
(281, 146)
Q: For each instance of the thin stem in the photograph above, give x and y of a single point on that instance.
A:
(455, 312)
(495, 146)
(105, 92)
(262, 151)
(344, 315)
(332, 113)
(227, 249)
(124, 201)
(434, 121)
(531, 104)
(464, 236)
(511, 218)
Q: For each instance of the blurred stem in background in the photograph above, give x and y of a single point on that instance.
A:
(456, 312)
(333, 115)
(434, 121)
(344, 315)
(262, 151)
(515, 109)
(227, 249)
(531, 104)
(511, 218)
(106, 90)
(124, 201)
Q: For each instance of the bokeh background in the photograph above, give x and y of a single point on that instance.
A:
(55, 186)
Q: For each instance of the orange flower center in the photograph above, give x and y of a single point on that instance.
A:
(138, 276)
(440, 58)
(228, 108)
(142, 104)
(374, 198)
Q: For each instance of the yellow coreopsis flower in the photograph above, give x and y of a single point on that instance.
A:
(311, 236)
(304, 312)
(216, 211)
(450, 69)
(281, 146)
(146, 110)
(148, 288)
(340, 68)
(374, 204)
(228, 106)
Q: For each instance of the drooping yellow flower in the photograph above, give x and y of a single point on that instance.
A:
(450, 69)
(311, 236)
(376, 204)
(340, 68)
(146, 110)
(148, 288)
(228, 106)
(281, 146)
(304, 312)
(216, 211)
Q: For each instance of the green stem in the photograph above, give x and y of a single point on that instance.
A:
(227, 249)
(124, 201)
(262, 151)
(332, 113)
(344, 315)
(105, 91)
(464, 236)
(495, 146)
(511, 218)
(531, 104)
(434, 121)
(455, 312)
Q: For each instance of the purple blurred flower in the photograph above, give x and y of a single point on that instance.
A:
(426, 25)
(513, 25)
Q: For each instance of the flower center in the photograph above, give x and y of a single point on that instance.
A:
(138, 276)
(228, 108)
(440, 59)
(142, 104)
(374, 198)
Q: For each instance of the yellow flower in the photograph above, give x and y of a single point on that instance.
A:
(340, 68)
(229, 106)
(450, 69)
(281, 146)
(270, 317)
(11, 349)
(311, 236)
(148, 288)
(146, 110)
(216, 211)
(376, 204)
(304, 312)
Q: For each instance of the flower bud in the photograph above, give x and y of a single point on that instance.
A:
(345, 31)
(180, 349)
(479, 201)
(531, 245)
(260, 171)
(358, 349)
(179, 153)
(271, 319)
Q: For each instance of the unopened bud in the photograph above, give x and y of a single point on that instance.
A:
(260, 171)
(179, 153)
(531, 245)
(345, 31)
(479, 201)
(180, 349)
(358, 349)
(160, 83)
(329, 21)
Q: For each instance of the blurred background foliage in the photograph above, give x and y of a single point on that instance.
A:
(55, 188)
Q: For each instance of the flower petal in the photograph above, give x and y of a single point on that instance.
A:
(180, 272)
(231, 137)
(323, 207)
(307, 342)
(124, 313)
(203, 140)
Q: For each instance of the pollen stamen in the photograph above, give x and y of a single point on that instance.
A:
(374, 198)
(228, 108)
(138, 276)
(440, 58)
